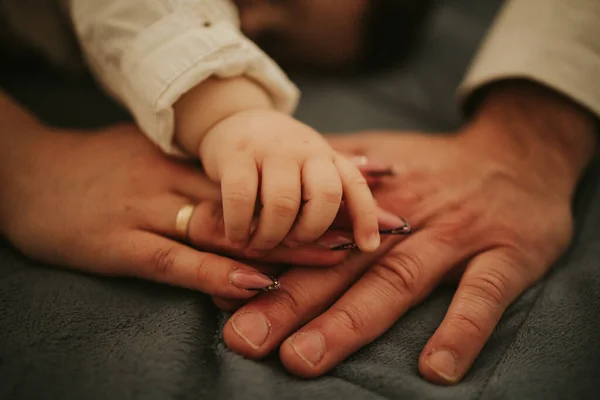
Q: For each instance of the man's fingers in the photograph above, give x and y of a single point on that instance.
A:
(259, 327)
(490, 283)
(399, 280)
(149, 256)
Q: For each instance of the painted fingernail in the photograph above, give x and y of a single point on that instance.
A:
(251, 280)
(345, 246)
(404, 229)
(391, 224)
(310, 347)
(332, 241)
(444, 363)
(252, 327)
(372, 169)
(380, 173)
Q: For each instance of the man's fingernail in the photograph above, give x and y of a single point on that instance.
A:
(444, 363)
(310, 347)
(333, 241)
(252, 327)
(245, 279)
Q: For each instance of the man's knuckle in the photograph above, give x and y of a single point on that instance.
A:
(468, 324)
(490, 288)
(401, 271)
(348, 318)
(287, 303)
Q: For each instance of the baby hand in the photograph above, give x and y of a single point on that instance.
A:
(270, 164)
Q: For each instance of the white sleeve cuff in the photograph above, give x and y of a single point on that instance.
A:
(553, 42)
(178, 52)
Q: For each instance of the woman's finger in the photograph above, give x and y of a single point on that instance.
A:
(206, 231)
(149, 256)
(322, 196)
(239, 186)
(361, 205)
(491, 282)
(280, 199)
(192, 184)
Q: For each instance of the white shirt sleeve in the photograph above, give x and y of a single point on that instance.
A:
(147, 53)
(553, 42)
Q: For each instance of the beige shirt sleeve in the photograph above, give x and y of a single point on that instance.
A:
(147, 53)
(553, 42)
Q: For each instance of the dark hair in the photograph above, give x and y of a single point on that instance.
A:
(392, 31)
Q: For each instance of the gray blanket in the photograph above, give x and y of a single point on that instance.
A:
(65, 335)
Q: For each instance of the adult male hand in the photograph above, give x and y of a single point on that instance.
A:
(490, 205)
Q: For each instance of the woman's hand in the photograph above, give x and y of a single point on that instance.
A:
(106, 202)
(491, 207)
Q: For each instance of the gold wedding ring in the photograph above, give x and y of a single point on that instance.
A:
(182, 221)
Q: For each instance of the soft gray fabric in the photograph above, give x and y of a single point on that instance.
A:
(65, 335)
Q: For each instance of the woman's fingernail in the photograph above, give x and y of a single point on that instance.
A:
(251, 280)
(380, 173)
(310, 347)
(404, 229)
(372, 169)
(391, 224)
(345, 246)
(444, 363)
(252, 327)
(332, 241)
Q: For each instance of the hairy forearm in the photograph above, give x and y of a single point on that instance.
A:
(534, 125)
(211, 102)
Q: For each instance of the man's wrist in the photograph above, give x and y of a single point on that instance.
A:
(212, 101)
(531, 124)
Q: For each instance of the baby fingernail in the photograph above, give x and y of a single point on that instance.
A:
(310, 347)
(252, 327)
(359, 160)
(251, 280)
(372, 243)
(444, 363)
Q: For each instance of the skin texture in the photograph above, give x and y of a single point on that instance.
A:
(491, 208)
(261, 156)
(109, 204)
